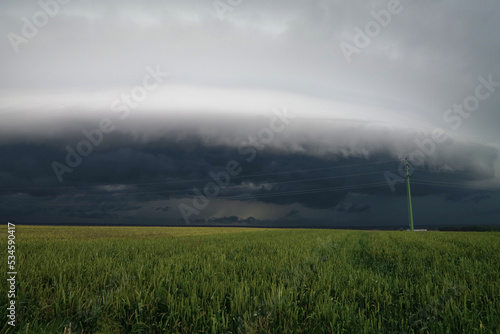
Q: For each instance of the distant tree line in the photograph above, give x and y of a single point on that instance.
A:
(472, 228)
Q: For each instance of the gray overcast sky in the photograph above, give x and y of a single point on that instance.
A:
(426, 59)
(227, 68)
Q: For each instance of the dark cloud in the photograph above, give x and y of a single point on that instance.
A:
(232, 220)
(165, 208)
(84, 214)
(351, 125)
(112, 183)
(493, 212)
(353, 207)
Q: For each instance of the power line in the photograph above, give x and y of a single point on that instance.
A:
(198, 180)
(310, 191)
(255, 196)
(177, 191)
(410, 210)
(239, 185)
(442, 171)
(451, 185)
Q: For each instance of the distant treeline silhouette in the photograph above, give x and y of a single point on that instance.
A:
(477, 228)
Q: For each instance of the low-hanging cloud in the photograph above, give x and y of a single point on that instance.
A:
(226, 79)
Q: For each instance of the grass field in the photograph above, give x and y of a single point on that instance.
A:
(236, 280)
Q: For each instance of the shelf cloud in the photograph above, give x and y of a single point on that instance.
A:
(122, 112)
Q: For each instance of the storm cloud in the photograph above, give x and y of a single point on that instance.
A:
(123, 112)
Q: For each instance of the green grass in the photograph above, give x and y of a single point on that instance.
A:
(231, 280)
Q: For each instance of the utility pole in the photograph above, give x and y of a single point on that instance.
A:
(410, 211)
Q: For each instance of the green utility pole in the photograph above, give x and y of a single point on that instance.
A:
(410, 211)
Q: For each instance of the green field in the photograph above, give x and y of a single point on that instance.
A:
(236, 280)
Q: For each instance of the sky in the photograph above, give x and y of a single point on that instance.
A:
(257, 113)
